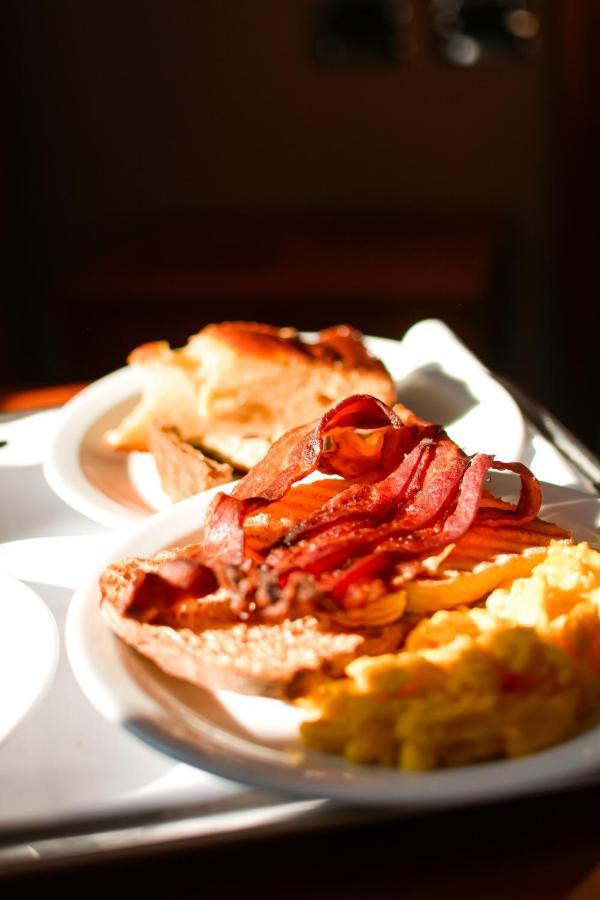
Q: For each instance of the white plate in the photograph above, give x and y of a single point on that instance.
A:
(28, 651)
(434, 372)
(254, 740)
(23, 441)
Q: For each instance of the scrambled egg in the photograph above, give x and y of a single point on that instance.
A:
(506, 679)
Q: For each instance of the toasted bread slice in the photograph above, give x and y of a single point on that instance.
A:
(183, 468)
(204, 643)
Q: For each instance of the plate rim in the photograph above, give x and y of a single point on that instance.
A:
(551, 768)
(62, 468)
(51, 646)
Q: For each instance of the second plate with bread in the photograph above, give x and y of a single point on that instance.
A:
(100, 463)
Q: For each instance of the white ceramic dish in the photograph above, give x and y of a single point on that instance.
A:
(434, 372)
(254, 740)
(23, 441)
(28, 651)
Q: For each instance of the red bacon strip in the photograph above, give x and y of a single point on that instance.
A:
(412, 492)
(530, 498)
(361, 500)
(297, 454)
(178, 579)
(431, 471)
(399, 537)
(361, 571)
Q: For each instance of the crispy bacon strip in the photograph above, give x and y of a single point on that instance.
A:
(412, 493)
(363, 570)
(296, 455)
(154, 592)
(361, 500)
(398, 537)
(530, 498)
(431, 472)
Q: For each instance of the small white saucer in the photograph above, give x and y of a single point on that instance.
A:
(28, 651)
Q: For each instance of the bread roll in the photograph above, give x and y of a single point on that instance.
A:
(236, 387)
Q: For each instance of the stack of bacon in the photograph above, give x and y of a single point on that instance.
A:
(408, 495)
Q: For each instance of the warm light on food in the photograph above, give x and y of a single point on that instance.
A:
(211, 409)
(513, 677)
(294, 578)
(424, 621)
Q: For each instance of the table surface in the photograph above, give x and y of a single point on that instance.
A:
(530, 849)
(539, 847)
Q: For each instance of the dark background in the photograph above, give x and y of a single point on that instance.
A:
(304, 162)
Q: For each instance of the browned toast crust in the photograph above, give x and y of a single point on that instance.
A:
(183, 468)
(231, 385)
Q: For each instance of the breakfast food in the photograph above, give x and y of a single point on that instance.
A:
(293, 579)
(211, 409)
(183, 468)
(513, 677)
(152, 605)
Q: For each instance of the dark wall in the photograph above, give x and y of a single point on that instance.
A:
(127, 116)
(141, 107)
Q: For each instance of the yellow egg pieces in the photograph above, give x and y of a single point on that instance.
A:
(560, 599)
(506, 679)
